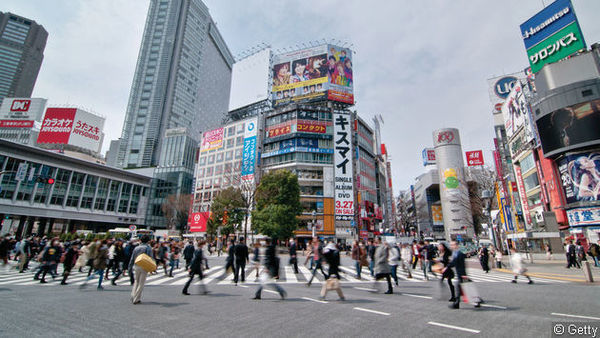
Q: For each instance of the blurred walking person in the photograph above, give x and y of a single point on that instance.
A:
(99, 265)
(382, 268)
(196, 269)
(271, 267)
(447, 274)
(50, 258)
(188, 254)
(484, 257)
(294, 255)
(332, 257)
(517, 260)
(406, 257)
(358, 255)
(317, 255)
(71, 256)
(458, 263)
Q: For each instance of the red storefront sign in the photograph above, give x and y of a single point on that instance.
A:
(475, 157)
(553, 187)
(197, 221)
(57, 125)
(523, 195)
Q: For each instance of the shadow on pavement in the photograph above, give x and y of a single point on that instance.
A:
(5, 289)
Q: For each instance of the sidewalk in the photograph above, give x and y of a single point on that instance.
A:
(543, 268)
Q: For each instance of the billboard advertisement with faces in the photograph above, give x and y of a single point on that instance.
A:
(313, 74)
(570, 128)
(580, 176)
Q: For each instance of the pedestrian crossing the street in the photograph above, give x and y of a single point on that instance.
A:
(217, 275)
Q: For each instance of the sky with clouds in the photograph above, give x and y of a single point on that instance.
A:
(422, 65)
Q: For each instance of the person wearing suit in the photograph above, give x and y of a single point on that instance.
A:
(196, 269)
(458, 263)
(241, 257)
(188, 254)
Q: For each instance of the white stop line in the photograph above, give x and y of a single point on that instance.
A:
(454, 327)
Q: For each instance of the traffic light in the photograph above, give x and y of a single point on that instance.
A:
(44, 180)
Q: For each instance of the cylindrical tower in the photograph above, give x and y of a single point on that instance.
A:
(454, 193)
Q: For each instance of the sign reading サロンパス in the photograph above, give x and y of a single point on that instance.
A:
(72, 126)
(344, 187)
(474, 157)
(552, 34)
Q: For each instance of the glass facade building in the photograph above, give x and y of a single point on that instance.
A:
(85, 195)
(22, 43)
(182, 80)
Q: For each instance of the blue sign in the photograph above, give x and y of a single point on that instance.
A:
(503, 86)
(546, 22)
(249, 156)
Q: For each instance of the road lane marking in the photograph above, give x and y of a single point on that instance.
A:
(494, 306)
(243, 286)
(290, 275)
(316, 300)
(365, 289)
(416, 296)
(271, 291)
(454, 327)
(372, 311)
(574, 316)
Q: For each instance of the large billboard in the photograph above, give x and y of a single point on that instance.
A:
(515, 112)
(21, 112)
(250, 79)
(569, 128)
(552, 34)
(197, 221)
(580, 175)
(212, 140)
(72, 126)
(313, 74)
(249, 153)
(344, 184)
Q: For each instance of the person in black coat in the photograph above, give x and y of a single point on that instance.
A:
(196, 269)
(188, 254)
(241, 257)
(293, 255)
(484, 256)
(230, 258)
(271, 263)
(458, 263)
(70, 258)
(448, 274)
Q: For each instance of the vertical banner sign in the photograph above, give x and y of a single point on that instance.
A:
(22, 171)
(249, 154)
(344, 186)
(523, 195)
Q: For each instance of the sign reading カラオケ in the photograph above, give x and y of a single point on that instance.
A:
(72, 126)
(344, 187)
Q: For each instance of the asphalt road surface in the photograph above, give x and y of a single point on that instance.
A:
(518, 310)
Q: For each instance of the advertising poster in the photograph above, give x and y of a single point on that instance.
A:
(72, 126)
(436, 215)
(197, 221)
(341, 80)
(344, 185)
(21, 112)
(313, 74)
(515, 112)
(249, 153)
(580, 175)
(428, 156)
(212, 140)
(57, 125)
(474, 157)
(552, 34)
(279, 129)
(570, 127)
(523, 195)
(307, 126)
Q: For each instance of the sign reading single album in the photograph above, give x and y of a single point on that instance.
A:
(344, 186)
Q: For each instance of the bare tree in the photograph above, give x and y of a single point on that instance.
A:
(176, 209)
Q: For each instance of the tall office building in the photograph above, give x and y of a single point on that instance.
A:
(182, 79)
(22, 43)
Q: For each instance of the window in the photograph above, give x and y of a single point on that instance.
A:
(240, 128)
(527, 163)
(219, 169)
(230, 143)
(229, 155)
(209, 171)
(231, 131)
(531, 181)
(239, 141)
(219, 157)
(238, 153)
(211, 159)
(202, 160)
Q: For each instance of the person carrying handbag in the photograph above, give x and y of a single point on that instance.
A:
(332, 257)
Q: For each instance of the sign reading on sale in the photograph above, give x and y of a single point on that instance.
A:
(475, 157)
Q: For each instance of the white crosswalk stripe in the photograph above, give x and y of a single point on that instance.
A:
(287, 276)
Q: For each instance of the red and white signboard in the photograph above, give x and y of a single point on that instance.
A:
(72, 126)
(16, 123)
(475, 157)
(30, 109)
(197, 221)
